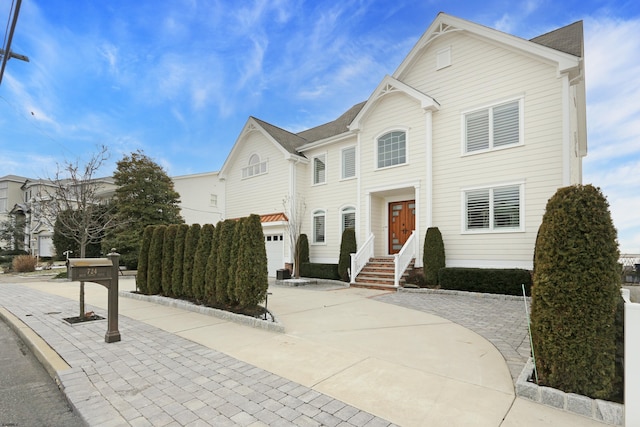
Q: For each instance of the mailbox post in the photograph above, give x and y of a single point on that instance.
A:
(103, 271)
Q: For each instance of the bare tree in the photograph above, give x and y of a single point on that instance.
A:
(75, 200)
(294, 209)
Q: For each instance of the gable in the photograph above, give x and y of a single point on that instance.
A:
(542, 48)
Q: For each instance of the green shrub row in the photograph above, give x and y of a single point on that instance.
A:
(225, 265)
(506, 281)
(319, 271)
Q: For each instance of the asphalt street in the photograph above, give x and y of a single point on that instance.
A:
(28, 395)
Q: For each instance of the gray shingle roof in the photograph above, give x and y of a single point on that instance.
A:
(292, 141)
(289, 141)
(336, 127)
(567, 39)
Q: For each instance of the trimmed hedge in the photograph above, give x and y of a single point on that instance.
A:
(348, 246)
(319, 271)
(505, 281)
(433, 257)
(143, 260)
(168, 248)
(577, 289)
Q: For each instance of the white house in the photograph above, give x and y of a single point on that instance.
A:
(201, 197)
(472, 134)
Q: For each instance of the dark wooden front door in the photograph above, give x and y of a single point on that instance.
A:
(402, 221)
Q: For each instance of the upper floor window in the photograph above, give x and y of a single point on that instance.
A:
(320, 169)
(392, 149)
(494, 208)
(348, 162)
(213, 200)
(256, 167)
(348, 217)
(319, 226)
(492, 128)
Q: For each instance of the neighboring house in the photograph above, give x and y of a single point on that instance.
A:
(10, 195)
(472, 134)
(29, 200)
(197, 206)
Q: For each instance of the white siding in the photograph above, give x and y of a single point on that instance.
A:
(483, 73)
(195, 197)
(260, 194)
(331, 197)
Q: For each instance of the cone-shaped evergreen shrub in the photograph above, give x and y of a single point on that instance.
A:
(251, 275)
(233, 261)
(190, 246)
(143, 260)
(302, 249)
(576, 286)
(154, 277)
(178, 260)
(200, 261)
(433, 258)
(212, 263)
(167, 258)
(225, 239)
(348, 246)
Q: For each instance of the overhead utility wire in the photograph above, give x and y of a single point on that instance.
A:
(6, 54)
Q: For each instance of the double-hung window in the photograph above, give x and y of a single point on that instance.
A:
(320, 169)
(392, 149)
(319, 226)
(493, 128)
(494, 209)
(348, 162)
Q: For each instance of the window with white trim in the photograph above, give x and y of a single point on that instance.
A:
(348, 162)
(319, 226)
(320, 169)
(494, 209)
(492, 128)
(392, 149)
(256, 167)
(213, 200)
(348, 217)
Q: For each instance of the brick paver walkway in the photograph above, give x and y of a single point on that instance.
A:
(501, 320)
(153, 377)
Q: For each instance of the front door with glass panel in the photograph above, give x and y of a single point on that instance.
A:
(402, 221)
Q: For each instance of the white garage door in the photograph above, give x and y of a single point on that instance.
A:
(274, 244)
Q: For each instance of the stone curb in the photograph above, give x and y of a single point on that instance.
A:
(201, 309)
(466, 293)
(596, 409)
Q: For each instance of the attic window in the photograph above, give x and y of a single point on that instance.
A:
(256, 167)
(443, 58)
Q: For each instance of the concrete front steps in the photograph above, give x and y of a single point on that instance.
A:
(378, 274)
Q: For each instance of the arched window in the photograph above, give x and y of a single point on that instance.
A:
(392, 149)
(319, 226)
(348, 218)
(256, 167)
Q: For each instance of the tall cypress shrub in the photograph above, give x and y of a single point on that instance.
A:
(303, 248)
(190, 246)
(178, 260)
(576, 286)
(252, 273)
(212, 262)
(233, 261)
(225, 239)
(433, 258)
(154, 278)
(143, 260)
(168, 248)
(200, 261)
(348, 246)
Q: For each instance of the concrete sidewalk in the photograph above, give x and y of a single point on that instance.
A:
(345, 359)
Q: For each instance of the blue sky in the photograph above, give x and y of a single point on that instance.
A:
(178, 79)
